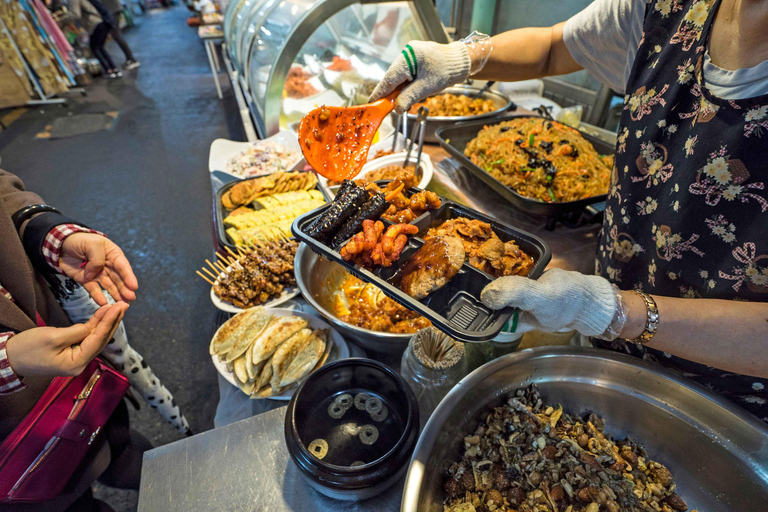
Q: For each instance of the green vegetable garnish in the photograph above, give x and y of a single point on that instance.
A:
(526, 169)
(549, 178)
(497, 162)
(551, 194)
(530, 140)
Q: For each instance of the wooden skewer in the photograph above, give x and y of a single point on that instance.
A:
(210, 273)
(233, 253)
(224, 258)
(214, 267)
(203, 276)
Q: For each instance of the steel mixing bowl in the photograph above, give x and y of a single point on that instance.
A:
(717, 452)
(318, 280)
(501, 104)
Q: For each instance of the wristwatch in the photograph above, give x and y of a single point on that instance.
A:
(652, 320)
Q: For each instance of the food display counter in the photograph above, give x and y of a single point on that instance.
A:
(286, 56)
(334, 265)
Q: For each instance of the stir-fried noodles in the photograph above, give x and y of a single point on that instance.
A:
(541, 159)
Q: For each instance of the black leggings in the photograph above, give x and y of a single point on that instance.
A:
(117, 35)
(98, 38)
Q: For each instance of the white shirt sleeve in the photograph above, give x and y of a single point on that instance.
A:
(603, 39)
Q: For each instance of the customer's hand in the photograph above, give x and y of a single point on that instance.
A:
(559, 301)
(429, 66)
(58, 351)
(105, 265)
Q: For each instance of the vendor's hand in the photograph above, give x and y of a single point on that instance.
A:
(105, 265)
(58, 351)
(436, 66)
(559, 301)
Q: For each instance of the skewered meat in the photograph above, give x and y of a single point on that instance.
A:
(261, 275)
(432, 266)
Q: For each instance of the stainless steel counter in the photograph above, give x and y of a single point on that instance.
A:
(243, 466)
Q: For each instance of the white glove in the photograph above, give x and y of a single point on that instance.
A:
(559, 301)
(431, 67)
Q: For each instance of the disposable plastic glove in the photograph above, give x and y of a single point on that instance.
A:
(559, 301)
(431, 67)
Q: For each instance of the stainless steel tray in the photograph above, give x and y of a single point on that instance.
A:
(502, 103)
(717, 452)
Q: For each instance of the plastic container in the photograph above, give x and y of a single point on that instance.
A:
(220, 213)
(351, 469)
(454, 139)
(430, 377)
(455, 308)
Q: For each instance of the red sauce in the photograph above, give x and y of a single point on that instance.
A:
(335, 140)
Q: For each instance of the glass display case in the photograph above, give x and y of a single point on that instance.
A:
(292, 55)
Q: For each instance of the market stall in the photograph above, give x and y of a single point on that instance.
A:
(353, 257)
(285, 57)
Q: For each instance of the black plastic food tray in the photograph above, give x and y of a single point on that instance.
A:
(454, 308)
(454, 139)
(220, 213)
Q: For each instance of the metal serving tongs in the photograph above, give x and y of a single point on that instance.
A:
(484, 89)
(418, 131)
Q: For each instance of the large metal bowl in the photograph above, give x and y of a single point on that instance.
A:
(717, 452)
(318, 279)
(501, 102)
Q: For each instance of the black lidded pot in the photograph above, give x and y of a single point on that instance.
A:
(351, 483)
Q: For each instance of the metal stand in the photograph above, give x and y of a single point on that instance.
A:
(245, 114)
(210, 49)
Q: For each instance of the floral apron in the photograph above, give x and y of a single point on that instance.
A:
(687, 212)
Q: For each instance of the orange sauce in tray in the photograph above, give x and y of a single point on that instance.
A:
(335, 140)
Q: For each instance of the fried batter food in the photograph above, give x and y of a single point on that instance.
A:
(528, 457)
(374, 246)
(405, 209)
(245, 192)
(262, 275)
(454, 105)
(405, 175)
(484, 248)
(366, 306)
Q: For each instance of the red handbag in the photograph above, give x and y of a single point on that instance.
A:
(39, 456)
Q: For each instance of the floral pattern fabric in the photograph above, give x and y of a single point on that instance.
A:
(687, 211)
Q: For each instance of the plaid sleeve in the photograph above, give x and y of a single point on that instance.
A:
(9, 381)
(55, 239)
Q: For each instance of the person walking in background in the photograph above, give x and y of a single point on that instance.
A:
(98, 21)
(115, 7)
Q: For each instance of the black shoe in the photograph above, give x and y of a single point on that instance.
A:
(131, 64)
(115, 74)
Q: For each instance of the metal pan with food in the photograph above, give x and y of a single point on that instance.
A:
(262, 209)
(560, 169)
(458, 104)
(428, 276)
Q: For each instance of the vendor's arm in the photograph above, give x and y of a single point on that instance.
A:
(527, 53)
(725, 334)
(602, 38)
